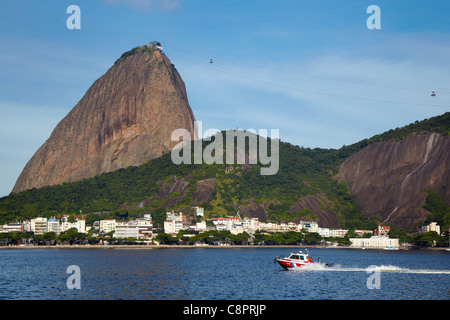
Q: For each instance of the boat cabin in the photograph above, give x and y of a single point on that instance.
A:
(296, 256)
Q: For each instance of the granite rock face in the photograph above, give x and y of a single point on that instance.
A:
(390, 179)
(126, 118)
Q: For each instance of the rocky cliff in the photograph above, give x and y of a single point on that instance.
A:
(390, 179)
(125, 119)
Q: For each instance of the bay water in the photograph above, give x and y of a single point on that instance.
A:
(222, 274)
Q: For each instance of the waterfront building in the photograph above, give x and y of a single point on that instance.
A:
(54, 225)
(231, 222)
(324, 232)
(126, 231)
(145, 227)
(141, 228)
(236, 228)
(310, 226)
(11, 227)
(378, 242)
(272, 227)
(27, 226)
(338, 233)
(174, 223)
(39, 225)
(79, 224)
(250, 225)
(108, 225)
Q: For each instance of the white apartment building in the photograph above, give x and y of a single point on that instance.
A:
(324, 232)
(174, 223)
(237, 228)
(311, 226)
(108, 225)
(79, 224)
(251, 225)
(272, 227)
(54, 225)
(231, 222)
(39, 225)
(338, 233)
(141, 228)
(433, 226)
(145, 227)
(126, 231)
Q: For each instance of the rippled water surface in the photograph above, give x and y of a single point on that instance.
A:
(222, 274)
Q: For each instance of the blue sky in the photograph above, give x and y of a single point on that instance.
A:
(311, 69)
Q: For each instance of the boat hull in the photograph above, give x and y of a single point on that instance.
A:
(290, 264)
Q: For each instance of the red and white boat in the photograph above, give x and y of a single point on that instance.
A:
(297, 260)
(294, 260)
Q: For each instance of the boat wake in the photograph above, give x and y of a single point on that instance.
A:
(382, 268)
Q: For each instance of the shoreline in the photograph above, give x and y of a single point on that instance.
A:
(147, 247)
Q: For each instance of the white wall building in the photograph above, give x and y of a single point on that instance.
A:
(433, 226)
(79, 224)
(39, 225)
(54, 225)
(324, 232)
(126, 231)
(200, 211)
(311, 226)
(200, 226)
(140, 228)
(108, 225)
(379, 242)
(11, 227)
(339, 233)
(174, 223)
(250, 225)
(145, 227)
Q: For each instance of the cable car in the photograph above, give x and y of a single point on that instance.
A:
(210, 61)
(433, 94)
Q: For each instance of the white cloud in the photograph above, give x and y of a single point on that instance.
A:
(148, 5)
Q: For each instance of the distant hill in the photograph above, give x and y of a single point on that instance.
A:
(382, 179)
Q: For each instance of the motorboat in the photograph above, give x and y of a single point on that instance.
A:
(295, 260)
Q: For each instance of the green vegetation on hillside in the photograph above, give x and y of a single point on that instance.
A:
(440, 210)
